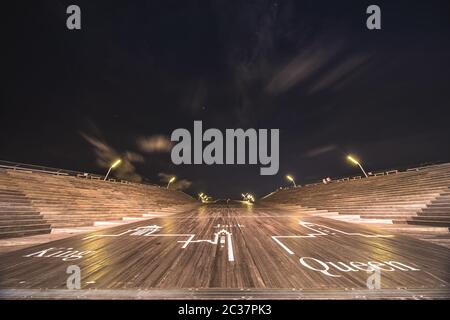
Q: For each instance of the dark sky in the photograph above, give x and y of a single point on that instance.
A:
(140, 69)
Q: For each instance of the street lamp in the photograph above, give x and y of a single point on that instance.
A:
(289, 177)
(203, 197)
(115, 164)
(248, 197)
(354, 161)
(170, 181)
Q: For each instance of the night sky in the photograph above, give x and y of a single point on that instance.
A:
(137, 70)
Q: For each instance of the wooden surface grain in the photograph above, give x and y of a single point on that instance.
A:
(246, 255)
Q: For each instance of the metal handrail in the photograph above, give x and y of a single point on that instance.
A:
(382, 173)
(31, 167)
(61, 172)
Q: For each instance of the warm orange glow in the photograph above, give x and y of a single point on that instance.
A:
(353, 160)
(116, 163)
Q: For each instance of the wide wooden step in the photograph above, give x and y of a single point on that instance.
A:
(23, 233)
(19, 227)
(430, 223)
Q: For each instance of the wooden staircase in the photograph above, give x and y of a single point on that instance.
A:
(18, 217)
(31, 201)
(414, 197)
(436, 213)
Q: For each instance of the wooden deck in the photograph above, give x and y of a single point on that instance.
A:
(232, 247)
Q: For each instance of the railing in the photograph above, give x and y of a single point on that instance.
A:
(33, 168)
(376, 174)
(59, 172)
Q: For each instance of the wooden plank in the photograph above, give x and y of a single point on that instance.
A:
(180, 252)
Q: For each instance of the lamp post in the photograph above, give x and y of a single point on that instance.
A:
(354, 161)
(291, 179)
(115, 164)
(170, 181)
(249, 198)
(203, 197)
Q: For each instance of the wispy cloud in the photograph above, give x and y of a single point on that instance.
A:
(105, 155)
(334, 76)
(134, 157)
(320, 150)
(155, 143)
(303, 67)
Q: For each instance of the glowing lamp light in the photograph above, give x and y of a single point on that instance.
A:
(356, 162)
(170, 181)
(353, 160)
(115, 164)
(291, 179)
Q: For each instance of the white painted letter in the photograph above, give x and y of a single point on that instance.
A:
(399, 265)
(323, 264)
